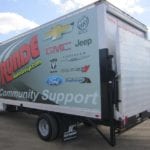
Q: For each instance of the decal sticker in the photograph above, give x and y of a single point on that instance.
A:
(29, 94)
(83, 69)
(58, 48)
(78, 80)
(82, 25)
(55, 80)
(69, 98)
(27, 69)
(53, 65)
(58, 31)
(19, 59)
(81, 43)
(75, 56)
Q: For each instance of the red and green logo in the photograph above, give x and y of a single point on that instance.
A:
(18, 59)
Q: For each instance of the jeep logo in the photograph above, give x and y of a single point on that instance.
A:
(86, 42)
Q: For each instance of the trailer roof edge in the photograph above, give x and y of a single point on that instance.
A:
(99, 2)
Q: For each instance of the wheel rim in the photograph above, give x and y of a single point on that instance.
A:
(43, 127)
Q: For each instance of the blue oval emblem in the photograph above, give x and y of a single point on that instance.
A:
(55, 80)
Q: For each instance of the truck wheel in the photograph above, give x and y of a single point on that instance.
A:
(47, 127)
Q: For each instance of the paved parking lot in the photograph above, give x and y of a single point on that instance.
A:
(17, 132)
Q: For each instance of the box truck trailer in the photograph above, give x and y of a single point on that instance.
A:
(90, 66)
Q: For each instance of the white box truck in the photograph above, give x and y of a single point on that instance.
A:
(91, 66)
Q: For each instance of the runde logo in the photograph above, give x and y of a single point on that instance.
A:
(83, 24)
(17, 59)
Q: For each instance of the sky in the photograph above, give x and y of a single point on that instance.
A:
(17, 16)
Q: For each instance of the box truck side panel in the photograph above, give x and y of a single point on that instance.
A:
(57, 65)
(133, 63)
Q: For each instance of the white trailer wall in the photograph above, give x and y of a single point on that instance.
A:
(133, 65)
(114, 19)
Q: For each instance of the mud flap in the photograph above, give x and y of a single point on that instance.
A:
(69, 129)
(70, 133)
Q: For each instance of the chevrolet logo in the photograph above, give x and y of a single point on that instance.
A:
(58, 31)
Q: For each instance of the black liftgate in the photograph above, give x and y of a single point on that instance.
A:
(109, 96)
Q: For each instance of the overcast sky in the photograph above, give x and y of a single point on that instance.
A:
(17, 16)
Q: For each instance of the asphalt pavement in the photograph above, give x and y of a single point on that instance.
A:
(18, 132)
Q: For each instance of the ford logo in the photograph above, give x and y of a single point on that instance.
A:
(55, 80)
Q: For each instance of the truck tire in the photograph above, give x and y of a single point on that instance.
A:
(47, 127)
(60, 125)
